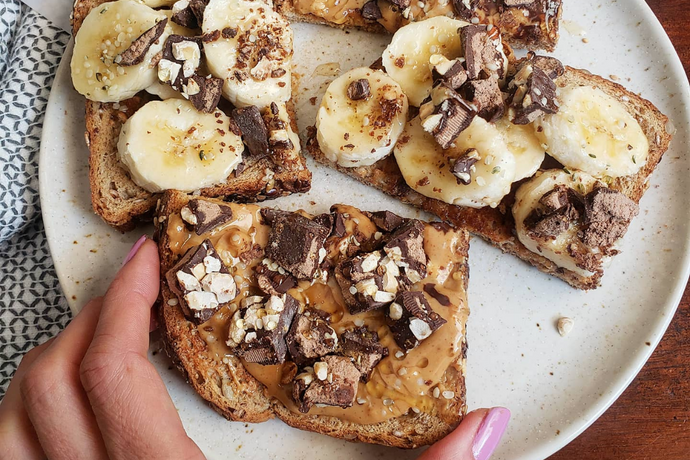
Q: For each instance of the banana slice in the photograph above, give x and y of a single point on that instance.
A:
(426, 167)
(170, 145)
(158, 3)
(360, 132)
(527, 198)
(524, 145)
(252, 76)
(593, 132)
(107, 31)
(407, 57)
(163, 91)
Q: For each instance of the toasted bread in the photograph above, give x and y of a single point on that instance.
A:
(122, 203)
(496, 225)
(233, 392)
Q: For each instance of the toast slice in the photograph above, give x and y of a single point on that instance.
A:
(496, 225)
(534, 26)
(121, 203)
(232, 386)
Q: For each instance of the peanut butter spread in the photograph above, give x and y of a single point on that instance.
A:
(401, 381)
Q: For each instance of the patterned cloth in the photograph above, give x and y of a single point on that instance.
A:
(32, 307)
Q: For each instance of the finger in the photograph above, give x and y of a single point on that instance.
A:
(130, 401)
(53, 394)
(474, 439)
(18, 440)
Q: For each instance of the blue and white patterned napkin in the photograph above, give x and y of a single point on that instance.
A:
(32, 307)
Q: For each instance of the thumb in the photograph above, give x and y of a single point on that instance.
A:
(474, 439)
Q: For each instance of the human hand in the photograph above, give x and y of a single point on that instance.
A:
(91, 392)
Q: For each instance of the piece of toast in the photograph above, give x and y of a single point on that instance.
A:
(496, 225)
(233, 392)
(122, 203)
(541, 33)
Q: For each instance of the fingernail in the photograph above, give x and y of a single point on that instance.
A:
(490, 433)
(133, 251)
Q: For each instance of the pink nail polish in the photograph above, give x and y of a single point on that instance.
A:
(490, 433)
(133, 251)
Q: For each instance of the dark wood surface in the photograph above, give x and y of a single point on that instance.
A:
(651, 420)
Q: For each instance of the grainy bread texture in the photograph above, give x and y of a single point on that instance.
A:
(497, 225)
(122, 203)
(238, 396)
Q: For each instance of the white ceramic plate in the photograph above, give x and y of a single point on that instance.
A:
(554, 386)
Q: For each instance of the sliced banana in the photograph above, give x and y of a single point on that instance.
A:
(163, 91)
(407, 57)
(361, 132)
(593, 132)
(108, 30)
(426, 167)
(170, 145)
(527, 198)
(158, 3)
(252, 75)
(524, 145)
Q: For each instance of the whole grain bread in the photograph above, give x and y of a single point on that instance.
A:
(122, 203)
(238, 396)
(496, 225)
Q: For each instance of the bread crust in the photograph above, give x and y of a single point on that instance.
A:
(496, 225)
(209, 377)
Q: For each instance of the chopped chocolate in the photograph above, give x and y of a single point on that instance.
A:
(362, 282)
(482, 55)
(548, 225)
(371, 11)
(229, 32)
(211, 36)
(255, 252)
(257, 331)
(539, 98)
(487, 97)
(464, 8)
(448, 120)
(462, 166)
(296, 244)
(549, 65)
(269, 215)
(386, 220)
(254, 131)
(311, 337)
(359, 89)
(273, 281)
(136, 52)
(442, 299)
(339, 225)
(338, 387)
(325, 219)
(178, 64)
(411, 319)
(207, 97)
(406, 249)
(198, 7)
(186, 18)
(205, 215)
(607, 214)
(364, 348)
(201, 282)
(556, 198)
(450, 73)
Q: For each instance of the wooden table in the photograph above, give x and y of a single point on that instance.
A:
(651, 419)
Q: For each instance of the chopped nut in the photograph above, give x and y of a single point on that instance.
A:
(321, 370)
(565, 325)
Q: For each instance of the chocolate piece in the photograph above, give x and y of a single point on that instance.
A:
(254, 131)
(548, 225)
(362, 284)
(386, 220)
(296, 244)
(136, 52)
(263, 338)
(198, 7)
(449, 119)
(607, 214)
(371, 11)
(201, 282)
(359, 89)
(363, 346)
(229, 32)
(255, 252)
(482, 56)
(562, 206)
(209, 92)
(556, 198)
(464, 8)
(539, 98)
(442, 299)
(406, 249)
(311, 337)
(402, 4)
(451, 73)
(186, 18)
(180, 71)
(337, 388)
(462, 167)
(270, 214)
(487, 97)
(411, 319)
(552, 67)
(205, 215)
(272, 281)
(339, 225)
(325, 219)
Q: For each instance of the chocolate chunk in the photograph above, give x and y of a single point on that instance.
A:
(296, 244)
(250, 255)
(464, 8)
(406, 248)
(186, 18)
(338, 388)
(201, 282)
(402, 4)
(371, 11)
(254, 131)
(359, 89)
(449, 119)
(549, 65)
(205, 215)
(325, 219)
(442, 299)
(272, 281)
(539, 98)
(362, 284)
(311, 337)
(269, 215)
(179, 79)
(411, 319)
(487, 97)
(209, 91)
(562, 206)
(462, 166)
(364, 348)
(136, 52)
(339, 225)
(607, 214)
(548, 225)
(556, 198)
(229, 32)
(198, 7)
(482, 56)
(451, 73)
(263, 341)
(211, 36)
(386, 220)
